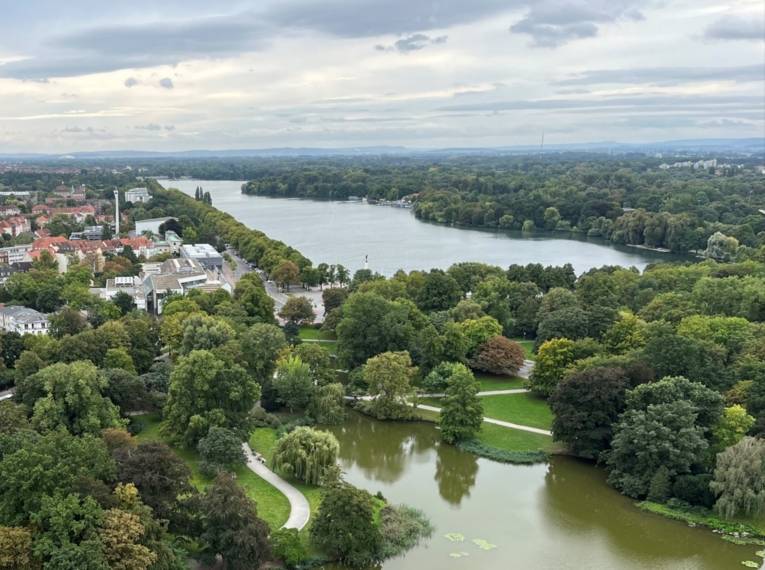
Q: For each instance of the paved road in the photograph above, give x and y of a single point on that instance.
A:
(300, 511)
(7, 394)
(496, 422)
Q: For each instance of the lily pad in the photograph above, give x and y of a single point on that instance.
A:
(760, 553)
(458, 554)
(484, 544)
(454, 537)
(750, 564)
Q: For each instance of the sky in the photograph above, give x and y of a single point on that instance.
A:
(192, 74)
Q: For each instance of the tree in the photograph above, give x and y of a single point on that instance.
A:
(203, 332)
(294, 383)
(67, 321)
(306, 454)
(13, 417)
(389, 376)
(125, 390)
(255, 300)
(627, 333)
(570, 322)
(124, 302)
(732, 427)
(328, 405)
(553, 357)
(586, 405)
(288, 547)
(439, 292)
(662, 435)
(498, 355)
(67, 535)
(285, 274)
(159, 474)
(261, 345)
(206, 391)
(298, 310)
(34, 466)
(16, 549)
(478, 331)
(232, 528)
(119, 358)
(71, 396)
(221, 448)
(462, 412)
(344, 527)
(318, 359)
(721, 247)
(739, 479)
(333, 298)
(120, 533)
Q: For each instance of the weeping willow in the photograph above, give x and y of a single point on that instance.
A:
(306, 454)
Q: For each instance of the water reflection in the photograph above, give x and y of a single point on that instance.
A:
(455, 475)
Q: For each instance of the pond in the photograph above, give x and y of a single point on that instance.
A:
(346, 232)
(555, 516)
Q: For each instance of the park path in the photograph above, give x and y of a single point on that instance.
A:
(482, 394)
(300, 511)
(7, 394)
(525, 370)
(496, 422)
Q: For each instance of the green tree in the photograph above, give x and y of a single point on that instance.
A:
(635, 455)
(286, 274)
(732, 427)
(119, 358)
(626, 334)
(306, 454)
(71, 396)
(389, 377)
(203, 332)
(255, 300)
(344, 527)
(298, 310)
(204, 392)
(478, 331)
(288, 547)
(586, 405)
(121, 534)
(318, 359)
(333, 298)
(221, 448)
(462, 413)
(232, 528)
(498, 355)
(67, 321)
(294, 383)
(439, 292)
(124, 302)
(328, 405)
(553, 357)
(739, 479)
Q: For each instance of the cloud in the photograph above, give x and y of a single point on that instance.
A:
(108, 48)
(166, 83)
(551, 23)
(737, 28)
(365, 18)
(413, 42)
(130, 82)
(154, 127)
(665, 75)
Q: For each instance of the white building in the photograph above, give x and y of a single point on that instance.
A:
(130, 285)
(23, 320)
(149, 225)
(177, 276)
(15, 254)
(136, 195)
(204, 253)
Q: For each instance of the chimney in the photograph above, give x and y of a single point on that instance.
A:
(117, 213)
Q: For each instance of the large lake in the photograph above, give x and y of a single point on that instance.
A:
(345, 232)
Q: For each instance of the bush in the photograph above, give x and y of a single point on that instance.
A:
(288, 547)
(402, 528)
(480, 449)
(221, 448)
(694, 489)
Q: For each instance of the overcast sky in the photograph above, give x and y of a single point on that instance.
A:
(190, 74)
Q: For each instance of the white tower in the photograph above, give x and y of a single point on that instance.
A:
(117, 213)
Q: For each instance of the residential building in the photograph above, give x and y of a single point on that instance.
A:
(15, 225)
(7, 270)
(204, 253)
(6, 211)
(150, 225)
(15, 254)
(136, 195)
(79, 213)
(23, 320)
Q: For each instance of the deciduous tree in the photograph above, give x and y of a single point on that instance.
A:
(306, 454)
(462, 412)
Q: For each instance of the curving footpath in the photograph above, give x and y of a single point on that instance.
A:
(496, 422)
(300, 511)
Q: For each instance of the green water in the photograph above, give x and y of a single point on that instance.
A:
(557, 516)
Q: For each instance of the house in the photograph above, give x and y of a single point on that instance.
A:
(177, 276)
(136, 195)
(15, 225)
(7, 270)
(23, 320)
(150, 225)
(130, 285)
(15, 254)
(6, 211)
(204, 253)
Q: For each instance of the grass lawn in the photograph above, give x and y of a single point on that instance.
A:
(273, 507)
(491, 382)
(311, 333)
(528, 347)
(525, 409)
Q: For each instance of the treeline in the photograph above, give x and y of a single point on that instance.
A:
(210, 225)
(625, 200)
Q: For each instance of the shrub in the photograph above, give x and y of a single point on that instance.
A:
(498, 355)
(221, 448)
(402, 528)
(288, 547)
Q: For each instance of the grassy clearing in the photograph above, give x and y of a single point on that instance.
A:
(502, 438)
(525, 409)
(311, 333)
(491, 382)
(528, 347)
(273, 507)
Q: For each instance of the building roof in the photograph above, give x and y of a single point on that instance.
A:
(154, 220)
(23, 314)
(199, 250)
